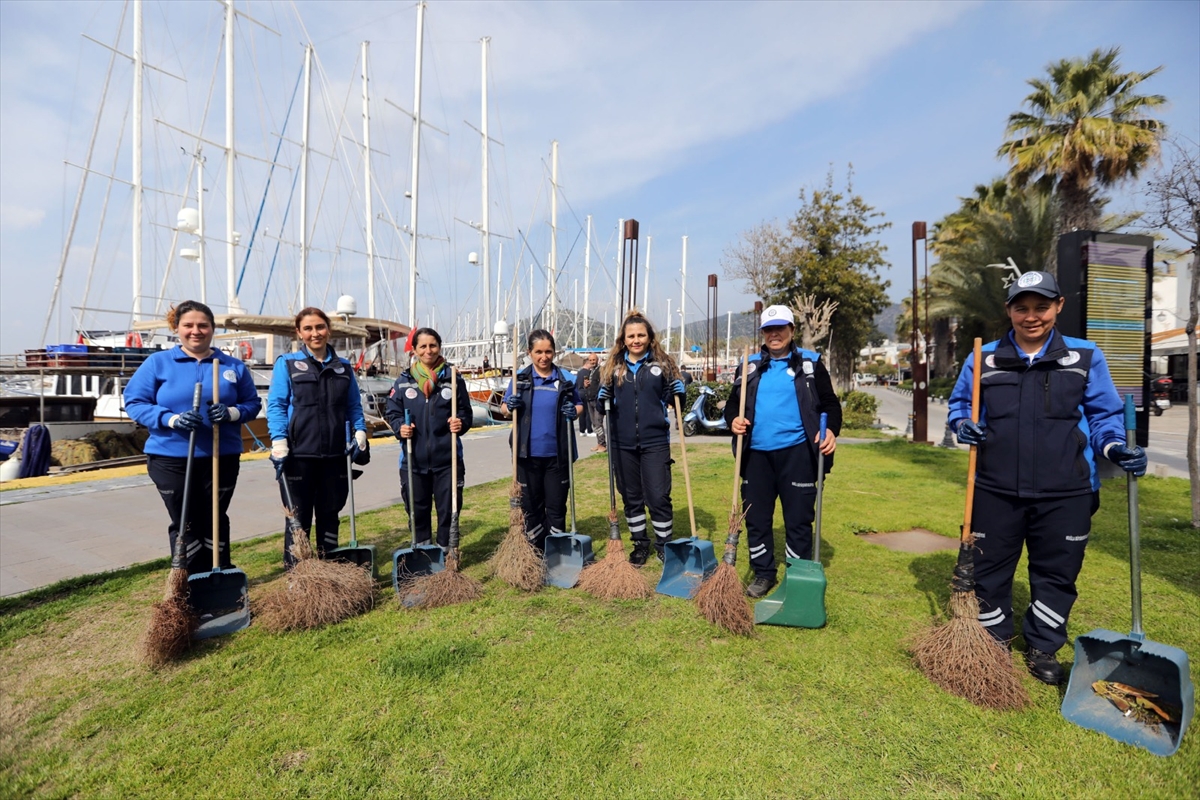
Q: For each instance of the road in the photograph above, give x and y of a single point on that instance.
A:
(1168, 434)
(53, 533)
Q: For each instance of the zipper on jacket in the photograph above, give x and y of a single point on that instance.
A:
(1046, 393)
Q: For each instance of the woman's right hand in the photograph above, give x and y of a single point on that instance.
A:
(406, 431)
(740, 425)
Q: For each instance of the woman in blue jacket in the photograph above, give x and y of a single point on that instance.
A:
(1048, 410)
(313, 396)
(639, 381)
(424, 391)
(547, 401)
(159, 397)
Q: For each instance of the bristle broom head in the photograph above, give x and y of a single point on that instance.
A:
(722, 601)
(962, 657)
(317, 593)
(614, 578)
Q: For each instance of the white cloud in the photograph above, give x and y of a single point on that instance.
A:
(16, 218)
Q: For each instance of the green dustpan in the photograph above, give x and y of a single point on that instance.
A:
(799, 602)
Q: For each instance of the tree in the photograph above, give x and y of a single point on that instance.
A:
(1174, 193)
(1086, 128)
(974, 244)
(752, 257)
(814, 319)
(831, 251)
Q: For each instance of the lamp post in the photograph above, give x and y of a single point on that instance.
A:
(920, 396)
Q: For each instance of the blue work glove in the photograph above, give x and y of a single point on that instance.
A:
(971, 433)
(602, 395)
(187, 422)
(514, 402)
(359, 449)
(219, 412)
(678, 387)
(568, 410)
(1129, 458)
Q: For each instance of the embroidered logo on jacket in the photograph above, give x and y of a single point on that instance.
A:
(1070, 358)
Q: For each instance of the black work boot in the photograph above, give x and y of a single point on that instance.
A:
(1044, 666)
(660, 548)
(760, 586)
(641, 552)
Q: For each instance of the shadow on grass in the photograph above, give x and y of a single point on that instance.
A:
(933, 573)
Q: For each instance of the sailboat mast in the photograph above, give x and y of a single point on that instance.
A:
(138, 75)
(231, 300)
(485, 230)
(587, 280)
(683, 303)
(553, 235)
(201, 258)
(646, 282)
(368, 191)
(308, 52)
(416, 171)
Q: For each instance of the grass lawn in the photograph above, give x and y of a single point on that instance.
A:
(560, 695)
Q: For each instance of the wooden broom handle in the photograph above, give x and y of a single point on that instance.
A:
(973, 458)
(737, 461)
(687, 478)
(515, 440)
(216, 469)
(453, 442)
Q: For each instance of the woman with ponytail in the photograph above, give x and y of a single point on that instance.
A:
(547, 401)
(418, 410)
(638, 384)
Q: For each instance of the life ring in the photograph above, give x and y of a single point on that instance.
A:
(247, 350)
(133, 339)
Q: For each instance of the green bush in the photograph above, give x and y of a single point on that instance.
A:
(940, 388)
(858, 409)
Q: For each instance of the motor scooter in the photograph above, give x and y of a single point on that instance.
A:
(1160, 395)
(697, 419)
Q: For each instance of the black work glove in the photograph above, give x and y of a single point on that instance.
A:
(1130, 458)
(187, 422)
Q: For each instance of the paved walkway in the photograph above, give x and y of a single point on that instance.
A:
(53, 533)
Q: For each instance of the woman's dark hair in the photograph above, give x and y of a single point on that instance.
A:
(175, 313)
(539, 335)
(437, 337)
(312, 311)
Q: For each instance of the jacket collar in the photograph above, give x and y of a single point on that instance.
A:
(1008, 357)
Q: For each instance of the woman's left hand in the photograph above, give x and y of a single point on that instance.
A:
(830, 443)
(455, 425)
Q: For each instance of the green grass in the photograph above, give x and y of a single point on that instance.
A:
(559, 695)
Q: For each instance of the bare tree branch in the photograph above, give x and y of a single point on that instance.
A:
(1174, 193)
(753, 257)
(813, 319)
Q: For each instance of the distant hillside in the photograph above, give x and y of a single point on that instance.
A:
(886, 320)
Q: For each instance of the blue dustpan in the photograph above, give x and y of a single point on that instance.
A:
(686, 563)
(420, 559)
(1134, 660)
(566, 556)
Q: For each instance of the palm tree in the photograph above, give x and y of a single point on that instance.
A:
(1085, 129)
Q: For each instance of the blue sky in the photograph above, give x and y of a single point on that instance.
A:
(698, 119)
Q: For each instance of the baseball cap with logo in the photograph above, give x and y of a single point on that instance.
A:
(776, 315)
(1042, 283)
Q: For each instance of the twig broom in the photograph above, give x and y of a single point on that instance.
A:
(316, 592)
(959, 655)
(613, 577)
(515, 561)
(720, 598)
(173, 621)
(448, 586)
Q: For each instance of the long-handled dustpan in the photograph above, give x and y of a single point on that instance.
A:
(799, 602)
(568, 553)
(360, 555)
(686, 562)
(425, 558)
(1153, 698)
(221, 597)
